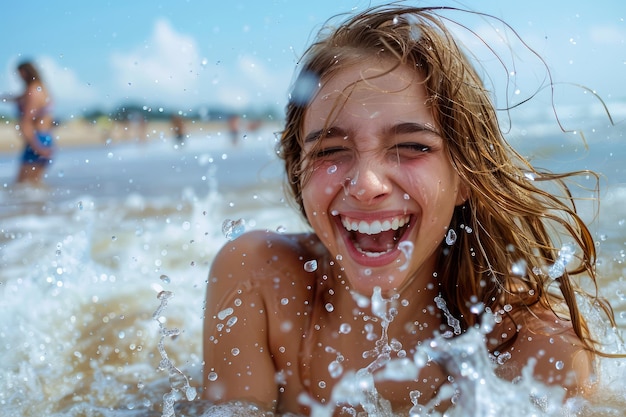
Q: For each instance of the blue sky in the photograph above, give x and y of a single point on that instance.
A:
(242, 53)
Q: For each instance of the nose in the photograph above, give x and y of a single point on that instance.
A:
(368, 182)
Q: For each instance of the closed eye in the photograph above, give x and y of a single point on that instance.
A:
(408, 151)
(415, 147)
(326, 152)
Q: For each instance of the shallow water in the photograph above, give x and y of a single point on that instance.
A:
(83, 263)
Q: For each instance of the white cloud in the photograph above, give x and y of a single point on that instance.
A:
(165, 68)
(65, 86)
(247, 83)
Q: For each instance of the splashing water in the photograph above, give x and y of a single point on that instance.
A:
(566, 254)
(406, 248)
(473, 386)
(452, 321)
(178, 380)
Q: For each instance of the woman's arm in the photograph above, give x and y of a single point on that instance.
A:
(238, 363)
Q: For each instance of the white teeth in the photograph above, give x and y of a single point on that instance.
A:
(374, 227)
(372, 254)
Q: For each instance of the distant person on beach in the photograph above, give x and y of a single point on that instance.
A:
(234, 129)
(423, 220)
(178, 128)
(34, 107)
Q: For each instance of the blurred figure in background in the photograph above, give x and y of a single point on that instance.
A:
(233, 129)
(35, 125)
(178, 128)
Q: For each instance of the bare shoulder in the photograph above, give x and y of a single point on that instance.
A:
(258, 256)
(549, 344)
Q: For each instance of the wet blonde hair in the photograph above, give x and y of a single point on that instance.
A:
(507, 216)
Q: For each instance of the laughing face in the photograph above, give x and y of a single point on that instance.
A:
(379, 190)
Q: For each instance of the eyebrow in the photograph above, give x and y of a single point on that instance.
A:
(331, 131)
(412, 127)
(400, 128)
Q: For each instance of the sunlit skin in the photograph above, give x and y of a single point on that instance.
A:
(373, 155)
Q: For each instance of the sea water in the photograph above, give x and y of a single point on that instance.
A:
(102, 276)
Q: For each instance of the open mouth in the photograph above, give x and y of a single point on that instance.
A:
(376, 238)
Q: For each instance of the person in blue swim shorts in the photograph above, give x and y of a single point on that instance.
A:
(35, 126)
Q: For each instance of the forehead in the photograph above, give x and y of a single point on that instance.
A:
(365, 87)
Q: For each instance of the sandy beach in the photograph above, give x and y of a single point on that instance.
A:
(83, 133)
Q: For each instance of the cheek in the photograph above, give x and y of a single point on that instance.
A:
(325, 181)
(434, 188)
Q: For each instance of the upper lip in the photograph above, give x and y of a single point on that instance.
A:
(372, 227)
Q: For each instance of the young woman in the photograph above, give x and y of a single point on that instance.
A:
(394, 155)
(35, 125)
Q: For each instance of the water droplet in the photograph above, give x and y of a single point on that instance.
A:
(225, 313)
(304, 88)
(232, 229)
(450, 237)
(165, 279)
(329, 307)
(559, 365)
(286, 326)
(519, 268)
(477, 308)
(332, 169)
(212, 376)
(503, 358)
(335, 369)
(396, 346)
(234, 351)
(164, 295)
(190, 393)
(345, 328)
(310, 266)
